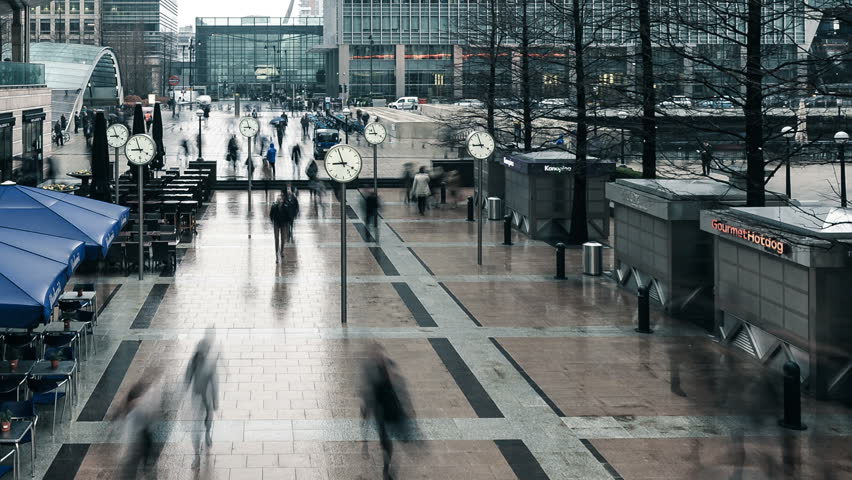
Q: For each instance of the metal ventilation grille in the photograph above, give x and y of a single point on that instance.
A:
(743, 342)
(654, 293)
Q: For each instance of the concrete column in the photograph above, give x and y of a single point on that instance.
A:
(400, 70)
(21, 35)
(688, 73)
(343, 68)
(458, 77)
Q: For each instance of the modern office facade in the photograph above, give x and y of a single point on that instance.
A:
(435, 49)
(143, 34)
(67, 21)
(260, 57)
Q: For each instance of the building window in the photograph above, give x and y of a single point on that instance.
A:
(44, 28)
(74, 27)
(6, 128)
(89, 27)
(89, 6)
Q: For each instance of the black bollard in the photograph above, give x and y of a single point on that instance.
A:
(469, 209)
(792, 398)
(443, 193)
(560, 261)
(507, 230)
(644, 304)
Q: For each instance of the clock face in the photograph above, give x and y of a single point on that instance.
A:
(140, 149)
(117, 135)
(375, 133)
(480, 144)
(343, 163)
(249, 126)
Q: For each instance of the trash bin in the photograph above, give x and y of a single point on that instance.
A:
(592, 258)
(495, 208)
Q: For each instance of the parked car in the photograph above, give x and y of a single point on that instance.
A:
(677, 101)
(556, 102)
(715, 103)
(404, 103)
(324, 139)
(469, 102)
(507, 103)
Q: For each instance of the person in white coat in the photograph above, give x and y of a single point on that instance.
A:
(420, 189)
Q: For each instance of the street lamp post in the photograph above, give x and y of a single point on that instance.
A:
(199, 113)
(622, 115)
(789, 133)
(191, 69)
(841, 138)
(371, 67)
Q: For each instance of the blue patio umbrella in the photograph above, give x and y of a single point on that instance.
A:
(61, 215)
(31, 282)
(64, 250)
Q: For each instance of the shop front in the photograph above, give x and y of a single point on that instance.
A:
(659, 245)
(781, 278)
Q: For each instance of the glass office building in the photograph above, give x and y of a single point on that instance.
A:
(434, 48)
(260, 57)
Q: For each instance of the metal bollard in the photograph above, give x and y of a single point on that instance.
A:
(507, 230)
(644, 305)
(443, 193)
(560, 261)
(469, 209)
(792, 398)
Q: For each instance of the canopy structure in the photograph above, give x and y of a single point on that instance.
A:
(33, 273)
(92, 222)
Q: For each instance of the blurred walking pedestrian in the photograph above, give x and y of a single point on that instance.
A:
(407, 180)
(420, 189)
(270, 157)
(201, 377)
(51, 169)
(63, 122)
(304, 121)
(706, 158)
(372, 206)
(57, 134)
(280, 129)
(76, 123)
(233, 150)
(454, 185)
(278, 215)
(385, 399)
(296, 157)
(291, 203)
(139, 412)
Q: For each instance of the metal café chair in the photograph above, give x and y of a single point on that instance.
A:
(48, 386)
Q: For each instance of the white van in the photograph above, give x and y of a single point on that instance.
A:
(404, 103)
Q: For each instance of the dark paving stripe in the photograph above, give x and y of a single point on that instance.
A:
(460, 304)
(104, 392)
(428, 270)
(394, 231)
(149, 308)
(384, 261)
(529, 380)
(418, 311)
(600, 458)
(67, 461)
(362, 230)
(350, 213)
(109, 299)
(478, 398)
(522, 461)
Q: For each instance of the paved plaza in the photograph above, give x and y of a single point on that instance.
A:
(512, 374)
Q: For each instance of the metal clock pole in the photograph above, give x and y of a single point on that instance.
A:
(343, 252)
(479, 218)
(248, 170)
(116, 175)
(141, 223)
(376, 168)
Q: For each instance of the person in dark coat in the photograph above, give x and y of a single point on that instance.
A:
(706, 159)
(291, 203)
(371, 213)
(385, 399)
(63, 121)
(57, 133)
(278, 215)
(76, 123)
(280, 129)
(297, 157)
(304, 121)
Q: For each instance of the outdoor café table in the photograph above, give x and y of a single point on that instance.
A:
(79, 328)
(88, 301)
(13, 437)
(66, 368)
(23, 370)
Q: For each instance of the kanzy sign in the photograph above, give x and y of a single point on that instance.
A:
(769, 243)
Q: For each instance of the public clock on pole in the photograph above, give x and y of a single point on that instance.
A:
(249, 126)
(375, 133)
(343, 163)
(480, 145)
(117, 135)
(140, 149)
